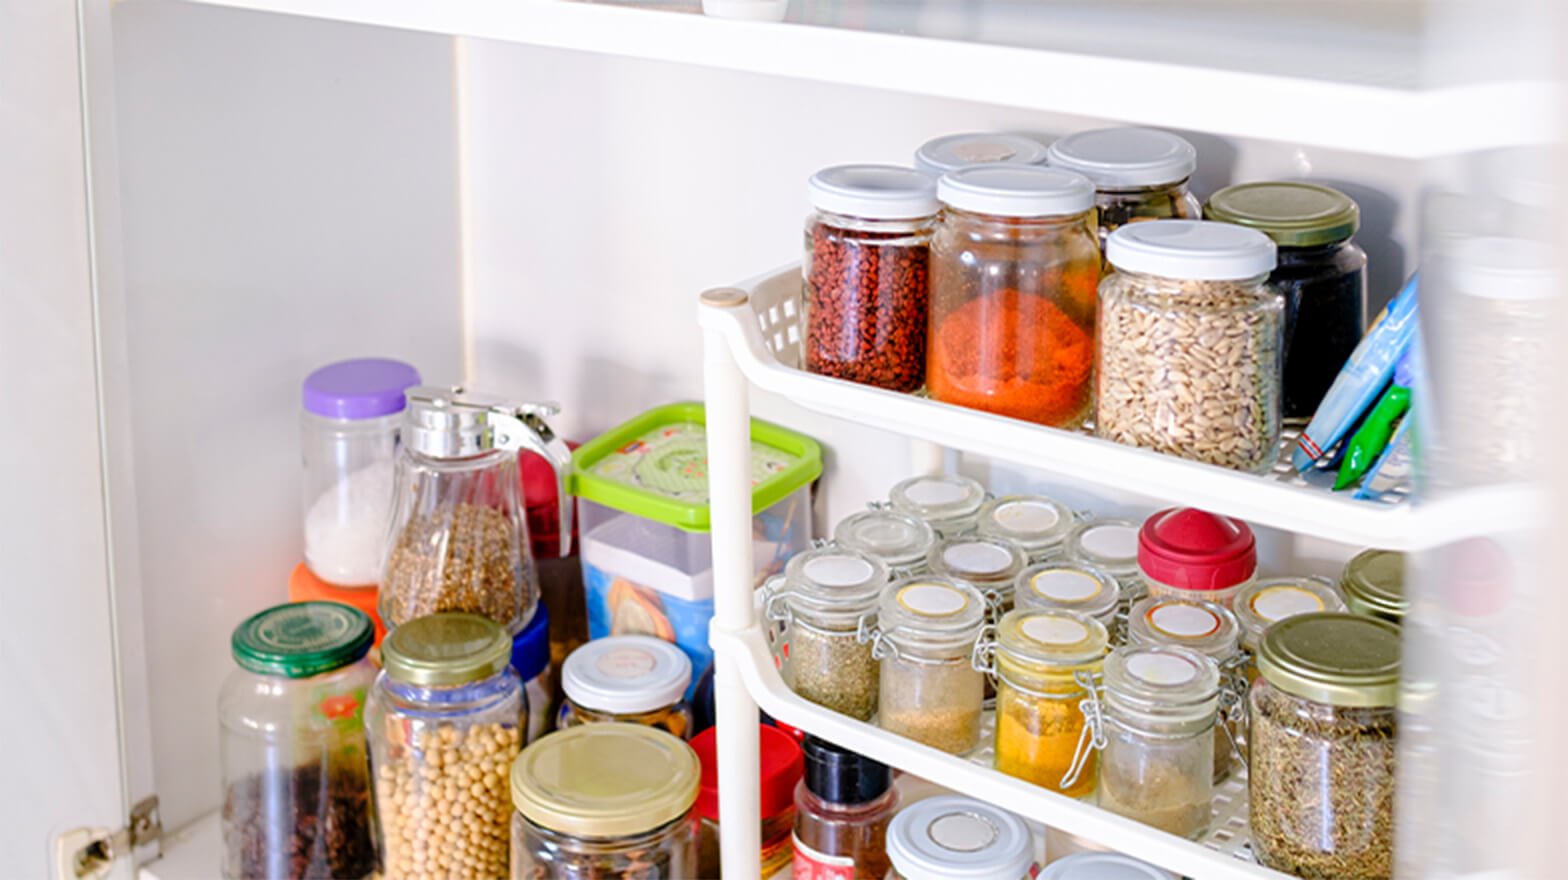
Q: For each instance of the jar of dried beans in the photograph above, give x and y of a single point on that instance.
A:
(930, 690)
(827, 598)
(1189, 350)
(628, 678)
(1204, 627)
(1014, 265)
(1188, 553)
(1264, 603)
(866, 274)
(1138, 174)
(1069, 586)
(445, 720)
(1321, 747)
(950, 837)
(900, 541)
(949, 503)
(1037, 524)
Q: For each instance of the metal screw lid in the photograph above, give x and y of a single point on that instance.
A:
(951, 837)
(605, 780)
(1293, 214)
(446, 649)
(1333, 657)
(302, 639)
(1374, 583)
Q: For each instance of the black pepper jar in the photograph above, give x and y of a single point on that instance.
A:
(1321, 273)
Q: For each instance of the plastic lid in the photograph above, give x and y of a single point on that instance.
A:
(626, 674)
(930, 605)
(952, 152)
(1161, 679)
(840, 776)
(1070, 586)
(1192, 549)
(1109, 544)
(1191, 250)
(898, 539)
(876, 192)
(605, 780)
(1051, 637)
(950, 837)
(1016, 191)
(1102, 866)
(782, 765)
(1186, 623)
(938, 499)
(1126, 158)
(1335, 658)
(301, 639)
(304, 586)
(1258, 606)
(446, 649)
(978, 560)
(834, 579)
(1293, 214)
(1374, 583)
(364, 388)
(531, 647)
(1034, 522)
(1505, 268)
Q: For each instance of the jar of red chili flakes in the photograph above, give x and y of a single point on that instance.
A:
(1014, 265)
(866, 284)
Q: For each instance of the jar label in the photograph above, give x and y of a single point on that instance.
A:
(1183, 621)
(626, 663)
(932, 600)
(1066, 585)
(976, 557)
(837, 571)
(813, 865)
(1027, 517)
(1052, 630)
(930, 493)
(1278, 603)
(1161, 669)
(1111, 542)
(962, 832)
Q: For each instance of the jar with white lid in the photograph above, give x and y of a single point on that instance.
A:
(1069, 586)
(1262, 604)
(826, 601)
(1035, 523)
(1188, 553)
(1138, 174)
(1102, 866)
(951, 837)
(951, 152)
(990, 564)
(930, 689)
(900, 541)
(1204, 627)
(627, 678)
(948, 503)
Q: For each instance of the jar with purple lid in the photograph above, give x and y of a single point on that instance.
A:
(348, 438)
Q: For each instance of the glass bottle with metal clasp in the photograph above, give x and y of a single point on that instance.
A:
(825, 601)
(930, 689)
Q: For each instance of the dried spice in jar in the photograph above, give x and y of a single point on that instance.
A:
(1264, 603)
(1045, 662)
(1139, 174)
(1037, 524)
(948, 503)
(827, 596)
(1204, 627)
(456, 558)
(930, 690)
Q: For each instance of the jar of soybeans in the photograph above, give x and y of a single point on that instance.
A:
(1037, 524)
(629, 678)
(898, 540)
(828, 596)
(1069, 586)
(930, 690)
(1204, 627)
(951, 837)
(1188, 553)
(1138, 174)
(948, 503)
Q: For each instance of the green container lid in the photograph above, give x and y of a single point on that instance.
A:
(446, 649)
(1293, 214)
(1373, 583)
(656, 466)
(1333, 657)
(302, 639)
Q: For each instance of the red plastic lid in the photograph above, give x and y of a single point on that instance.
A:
(541, 491)
(1196, 550)
(782, 766)
(304, 586)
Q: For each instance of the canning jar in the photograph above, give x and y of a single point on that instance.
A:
(531, 662)
(1321, 747)
(828, 595)
(1262, 604)
(989, 564)
(1188, 553)
(1069, 586)
(1037, 524)
(1189, 344)
(445, 720)
(1373, 583)
(951, 837)
(348, 440)
(948, 503)
(605, 802)
(867, 288)
(630, 678)
(900, 541)
(779, 766)
(842, 808)
(296, 774)
(1204, 627)
(1014, 264)
(951, 152)
(1321, 273)
(459, 531)
(930, 690)
(1138, 174)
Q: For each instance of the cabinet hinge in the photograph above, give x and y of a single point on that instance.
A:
(91, 857)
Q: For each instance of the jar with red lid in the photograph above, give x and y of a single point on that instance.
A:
(1188, 553)
(781, 765)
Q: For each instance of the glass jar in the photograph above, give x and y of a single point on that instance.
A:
(1110, 544)
(1321, 273)
(605, 801)
(948, 503)
(348, 440)
(951, 152)
(1046, 663)
(459, 530)
(989, 564)
(828, 595)
(531, 662)
(900, 541)
(950, 837)
(1264, 603)
(1069, 586)
(1157, 767)
(1102, 866)
(445, 720)
(867, 289)
(296, 773)
(780, 767)
(1138, 174)
(1204, 627)
(1014, 264)
(631, 678)
(930, 690)
(1374, 584)
(1187, 553)
(842, 809)
(1037, 524)
(1321, 747)
(1189, 344)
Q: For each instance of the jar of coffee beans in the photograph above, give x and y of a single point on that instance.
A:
(828, 597)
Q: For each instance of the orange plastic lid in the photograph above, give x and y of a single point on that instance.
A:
(304, 586)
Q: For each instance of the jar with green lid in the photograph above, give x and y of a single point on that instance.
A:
(930, 689)
(990, 564)
(900, 541)
(445, 719)
(1321, 747)
(1266, 602)
(607, 802)
(826, 600)
(296, 773)
(1069, 586)
(1373, 583)
(949, 503)
(1035, 523)
(1204, 627)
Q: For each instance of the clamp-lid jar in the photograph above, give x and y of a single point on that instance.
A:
(930, 690)
(828, 598)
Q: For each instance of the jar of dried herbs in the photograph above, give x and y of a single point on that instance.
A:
(990, 564)
(900, 541)
(1198, 626)
(1321, 747)
(930, 689)
(1037, 524)
(1069, 586)
(827, 596)
(949, 503)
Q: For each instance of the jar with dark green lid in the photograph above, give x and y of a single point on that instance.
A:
(1321, 273)
(296, 775)
(1373, 583)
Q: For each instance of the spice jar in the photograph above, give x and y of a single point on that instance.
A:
(605, 802)
(1321, 747)
(948, 503)
(1138, 174)
(1264, 603)
(989, 564)
(459, 529)
(1204, 627)
(843, 805)
(781, 766)
(951, 152)
(1037, 524)
(1157, 767)
(630, 678)
(1069, 586)
(1192, 554)
(348, 440)
(899, 541)
(1189, 343)
(1374, 584)
(296, 774)
(1014, 264)
(950, 837)
(531, 662)
(1109, 544)
(930, 690)
(444, 721)
(866, 274)
(1045, 663)
(1321, 273)
(827, 596)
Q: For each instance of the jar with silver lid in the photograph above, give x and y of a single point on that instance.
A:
(1208, 629)
(826, 602)
(930, 689)
(1069, 586)
(951, 837)
(899, 541)
(949, 503)
(1139, 174)
(1035, 523)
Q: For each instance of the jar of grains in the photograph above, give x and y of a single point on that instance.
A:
(1188, 553)
(445, 720)
(951, 152)
(1204, 627)
(828, 596)
(990, 564)
(1190, 343)
(1069, 586)
(1266, 602)
(1037, 524)
(1374, 584)
(628, 678)
(866, 285)
(1138, 173)
(900, 541)
(951, 837)
(605, 802)
(930, 690)
(1321, 747)
(1014, 264)
(948, 503)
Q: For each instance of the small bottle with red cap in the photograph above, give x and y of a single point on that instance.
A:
(1188, 553)
(782, 765)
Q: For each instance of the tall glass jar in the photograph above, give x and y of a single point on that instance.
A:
(950, 837)
(948, 503)
(867, 289)
(1188, 553)
(828, 596)
(930, 690)
(1037, 524)
(1138, 174)
(296, 773)
(1189, 343)
(898, 540)
(1204, 627)
(445, 719)
(1069, 586)
(1014, 265)
(635, 679)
